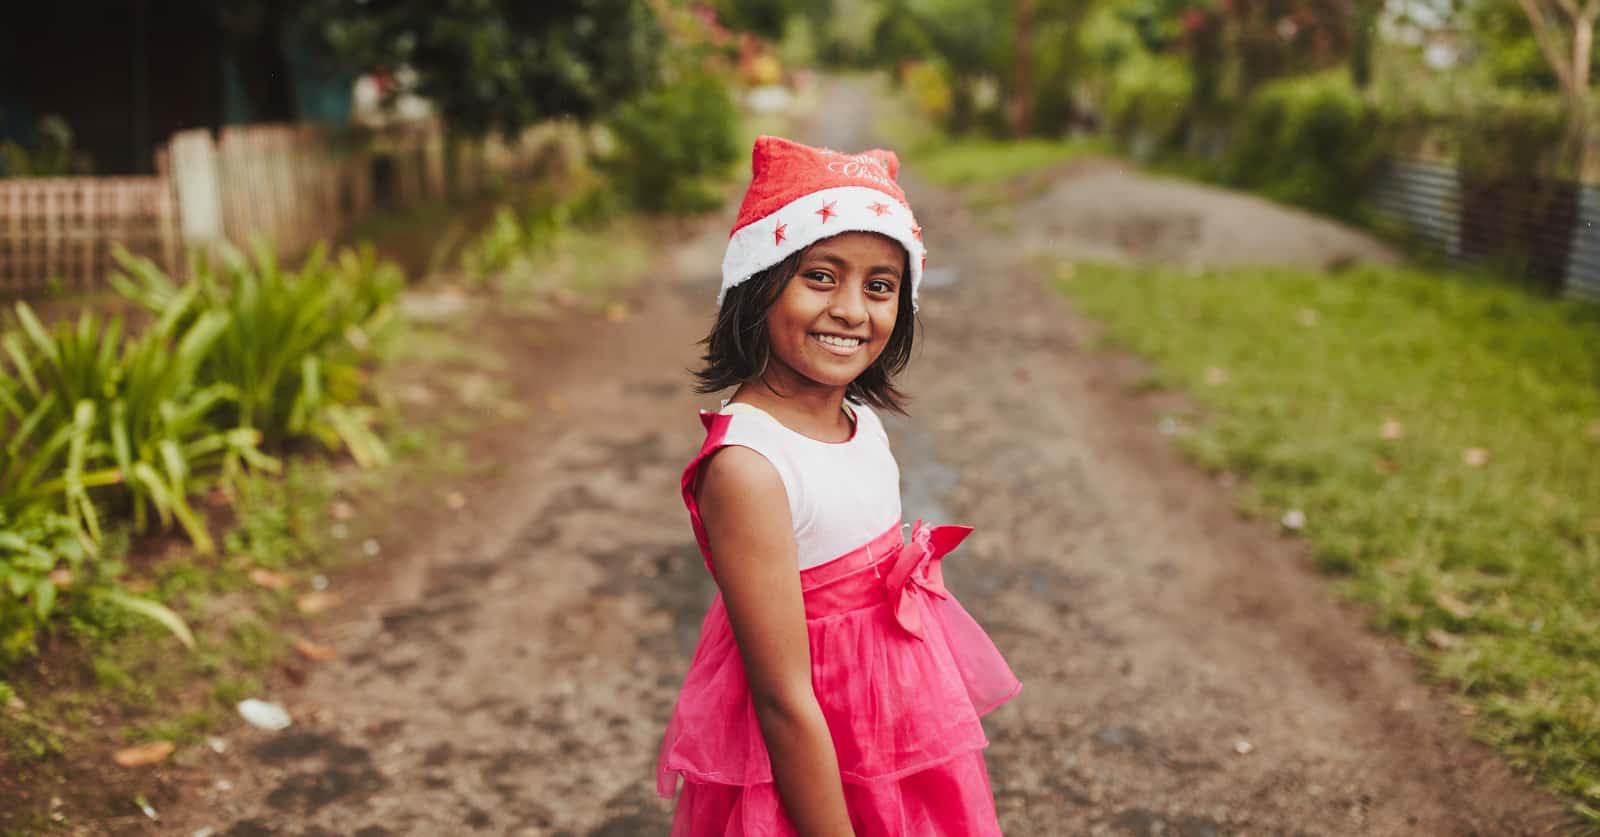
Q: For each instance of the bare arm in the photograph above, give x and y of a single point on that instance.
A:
(746, 515)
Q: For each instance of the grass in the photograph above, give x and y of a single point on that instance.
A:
(1440, 435)
(972, 161)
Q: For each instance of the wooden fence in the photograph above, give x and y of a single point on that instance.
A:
(61, 228)
(290, 185)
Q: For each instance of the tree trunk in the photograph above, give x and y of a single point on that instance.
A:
(1578, 94)
(1022, 86)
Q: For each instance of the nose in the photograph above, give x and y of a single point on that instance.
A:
(848, 306)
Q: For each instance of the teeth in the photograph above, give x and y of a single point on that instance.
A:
(842, 342)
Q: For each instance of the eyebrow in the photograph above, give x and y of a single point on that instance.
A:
(840, 263)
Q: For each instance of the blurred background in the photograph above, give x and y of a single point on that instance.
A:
(281, 273)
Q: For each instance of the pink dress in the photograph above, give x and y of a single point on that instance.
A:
(901, 671)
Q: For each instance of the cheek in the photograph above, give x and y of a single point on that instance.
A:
(884, 318)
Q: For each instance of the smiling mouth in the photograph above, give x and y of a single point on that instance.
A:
(837, 344)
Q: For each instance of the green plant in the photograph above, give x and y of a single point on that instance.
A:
(295, 342)
(673, 144)
(45, 568)
(130, 418)
(1305, 141)
(1148, 101)
(1439, 434)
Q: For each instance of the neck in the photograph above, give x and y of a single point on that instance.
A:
(782, 392)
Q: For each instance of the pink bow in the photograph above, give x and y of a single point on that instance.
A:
(916, 571)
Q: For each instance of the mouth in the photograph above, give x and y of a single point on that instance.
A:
(838, 344)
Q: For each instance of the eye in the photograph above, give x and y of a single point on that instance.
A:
(819, 275)
(880, 286)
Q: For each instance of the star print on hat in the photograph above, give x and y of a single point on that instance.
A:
(800, 195)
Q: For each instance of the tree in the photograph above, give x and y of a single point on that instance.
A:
(501, 64)
(1564, 31)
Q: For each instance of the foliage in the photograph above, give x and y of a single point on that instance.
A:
(503, 64)
(672, 144)
(52, 154)
(1512, 135)
(967, 162)
(126, 418)
(296, 341)
(47, 572)
(515, 233)
(1305, 141)
(239, 356)
(1148, 101)
(1454, 492)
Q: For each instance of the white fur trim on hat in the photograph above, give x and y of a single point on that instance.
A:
(808, 219)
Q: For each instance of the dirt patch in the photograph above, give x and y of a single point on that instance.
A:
(1104, 210)
(509, 667)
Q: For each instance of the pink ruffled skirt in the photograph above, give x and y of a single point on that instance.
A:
(902, 673)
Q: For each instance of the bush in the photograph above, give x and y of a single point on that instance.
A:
(1311, 141)
(293, 348)
(1148, 102)
(673, 144)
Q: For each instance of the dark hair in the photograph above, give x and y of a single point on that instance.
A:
(739, 348)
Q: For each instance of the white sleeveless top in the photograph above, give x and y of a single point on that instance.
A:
(841, 495)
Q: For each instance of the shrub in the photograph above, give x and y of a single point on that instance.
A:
(295, 343)
(672, 144)
(48, 571)
(1311, 141)
(126, 420)
(1148, 102)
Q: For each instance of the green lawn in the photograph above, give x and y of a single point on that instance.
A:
(1440, 435)
(968, 161)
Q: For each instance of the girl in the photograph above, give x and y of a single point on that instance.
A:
(837, 685)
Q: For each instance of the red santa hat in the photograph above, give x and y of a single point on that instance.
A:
(800, 195)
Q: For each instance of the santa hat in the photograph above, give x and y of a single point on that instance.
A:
(800, 195)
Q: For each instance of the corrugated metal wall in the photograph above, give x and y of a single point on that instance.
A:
(1546, 232)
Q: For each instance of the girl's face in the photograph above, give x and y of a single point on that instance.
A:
(834, 318)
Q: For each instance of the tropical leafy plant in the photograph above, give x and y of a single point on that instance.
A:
(46, 567)
(296, 341)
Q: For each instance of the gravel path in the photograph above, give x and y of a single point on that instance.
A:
(511, 668)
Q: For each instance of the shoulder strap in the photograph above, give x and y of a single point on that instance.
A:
(716, 430)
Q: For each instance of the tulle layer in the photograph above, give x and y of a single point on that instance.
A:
(950, 800)
(898, 700)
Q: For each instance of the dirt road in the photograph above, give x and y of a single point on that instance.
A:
(511, 669)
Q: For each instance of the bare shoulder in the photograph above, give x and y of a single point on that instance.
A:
(740, 482)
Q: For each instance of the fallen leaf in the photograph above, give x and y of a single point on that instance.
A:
(1593, 430)
(455, 501)
(1307, 317)
(16, 704)
(1474, 457)
(342, 510)
(1453, 606)
(316, 602)
(1294, 519)
(556, 404)
(616, 312)
(270, 579)
(1383, 465)
(1392, 429)
(1243, 747)
(1216, 376)
(564, 297)
(1441, 638)
(143, 755)
(315, 652)
(61, 578)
